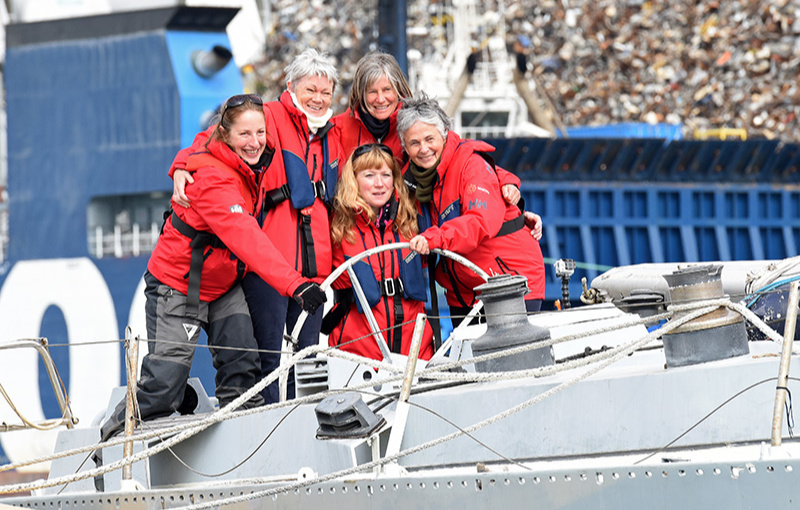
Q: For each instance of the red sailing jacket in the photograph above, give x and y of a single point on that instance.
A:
(467, 211)
(283, 222)
(384, 265)
(353, 133)
(223, 197)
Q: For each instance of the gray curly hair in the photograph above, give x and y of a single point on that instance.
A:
(422, 108)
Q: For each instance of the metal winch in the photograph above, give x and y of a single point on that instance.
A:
(508, 327)
(719, 334)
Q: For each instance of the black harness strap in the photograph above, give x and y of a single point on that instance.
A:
(274, 197)
(511, 226)
(200, 240)
(307, 247)
(399, 318)
(434, 317)
(342, 299)
(393, 288)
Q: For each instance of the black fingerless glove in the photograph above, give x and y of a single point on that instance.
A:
(309, 296)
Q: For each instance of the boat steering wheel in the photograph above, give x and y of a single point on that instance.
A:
(376, 333)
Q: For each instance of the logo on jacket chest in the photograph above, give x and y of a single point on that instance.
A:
(476, 204)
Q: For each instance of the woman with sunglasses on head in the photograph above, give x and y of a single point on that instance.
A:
(372, 208)
(294, 209)
(192, 278)
(458, 195)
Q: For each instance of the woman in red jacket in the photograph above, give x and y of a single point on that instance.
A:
(294, 210)
(378, 88)
(192, 278)
(458, 193)
(372, 208)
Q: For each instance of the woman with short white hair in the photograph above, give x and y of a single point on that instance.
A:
(294, 209)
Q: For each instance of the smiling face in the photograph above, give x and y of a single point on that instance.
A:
(381, 98)
(314, 93)
(247, 136)
(375, 186)
(423, 144)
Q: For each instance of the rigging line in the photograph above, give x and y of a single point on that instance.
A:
(704, 418)
(82, 344)
(383, 400)
(177, 429)
(239, 464)
(582, 265)
(45, 425)
(457, 427)
(344, 355)
(184, 432)
(469, 435)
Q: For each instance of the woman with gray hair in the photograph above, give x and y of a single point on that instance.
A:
(462, 209)
(376, 96)
(294, 208)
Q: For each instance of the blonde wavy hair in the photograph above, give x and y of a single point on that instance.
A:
(347, 203)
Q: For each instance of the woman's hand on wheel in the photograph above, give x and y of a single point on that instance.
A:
(420, 245)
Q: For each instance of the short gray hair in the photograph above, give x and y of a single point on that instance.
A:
(421, 108)
(311, 63)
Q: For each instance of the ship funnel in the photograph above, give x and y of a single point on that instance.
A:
(716, 335)
(508, 327)
(208, 63)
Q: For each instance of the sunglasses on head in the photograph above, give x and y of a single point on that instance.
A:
(240, 99)
(363, 149)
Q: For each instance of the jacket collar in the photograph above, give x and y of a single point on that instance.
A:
(363, 218)
(299, 117)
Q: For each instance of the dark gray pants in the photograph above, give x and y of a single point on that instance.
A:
(165, 369)
(271, 312)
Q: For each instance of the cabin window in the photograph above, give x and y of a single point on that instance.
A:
(484, 124)
(125, 225)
